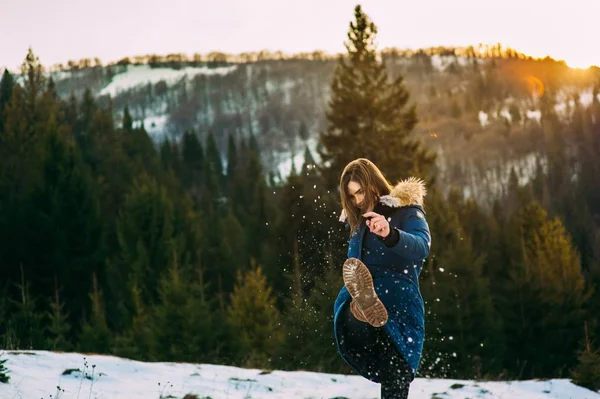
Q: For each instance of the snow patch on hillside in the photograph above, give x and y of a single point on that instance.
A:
(139, 75)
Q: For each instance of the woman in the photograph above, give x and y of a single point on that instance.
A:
(379, 313)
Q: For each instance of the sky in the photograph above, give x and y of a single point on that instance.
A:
(61, 30)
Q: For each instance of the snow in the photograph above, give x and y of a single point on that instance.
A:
(536, 114)
(483, 118)
(155, 126)
(284, 166)
(441, 62)
(138, 75)
(60, 75)
(438, 63)
(39, 374)
(587, 97)
(566, 104)
(505, 114)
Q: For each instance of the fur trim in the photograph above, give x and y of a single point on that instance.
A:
(407, 192)
(343, 216)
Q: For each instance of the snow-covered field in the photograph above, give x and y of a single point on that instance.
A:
(46, 375)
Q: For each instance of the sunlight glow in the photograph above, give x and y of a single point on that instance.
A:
(582, 62)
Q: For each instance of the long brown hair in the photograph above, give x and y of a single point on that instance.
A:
(371, 180)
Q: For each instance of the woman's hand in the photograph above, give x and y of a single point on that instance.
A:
(378, 224)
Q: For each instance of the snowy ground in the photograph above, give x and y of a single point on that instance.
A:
(40, 374)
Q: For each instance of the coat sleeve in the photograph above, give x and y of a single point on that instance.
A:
(414, 239)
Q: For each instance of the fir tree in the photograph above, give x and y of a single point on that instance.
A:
(255, 318)
(309, 228)
(87, 111)
(137, 342)
(260, 210)
(26, 324)
(192, 159)
(70, 110)
(182, 325)
(587, 371)
(308, 321)
(542, 294)
(463, 328)
(22, 142)
(34, 80)
(6, 87)
(303, 133)
(59, 328)
(51, 88)
(69, 234)
(368, 115)
(234, 247)
(171, 158)
(127, 120)
(95, 335)
(147, 240)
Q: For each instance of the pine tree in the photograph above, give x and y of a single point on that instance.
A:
(24, 126)
(182, 325)
(26, 324)
(34, 83)
(587, 371)
(309, 228)
(193, 161)
(171, 158)
(464, 336)
(69, 235)
(51, 88)
(542, 294)
(261, 213)
(255, 318)
(308, 321)
(95, 335)
(368, 115)
(87, 111)
(59, 328)
(147, 241)
(70, 108)
(303, 133)
(137, 342)
(127, 120)
(6, 87)
(234, 246)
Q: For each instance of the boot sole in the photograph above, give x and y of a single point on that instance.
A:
(359, 283)
(356, 312)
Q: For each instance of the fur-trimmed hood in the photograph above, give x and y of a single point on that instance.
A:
(407, 192)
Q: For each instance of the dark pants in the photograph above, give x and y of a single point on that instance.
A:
(374, 351)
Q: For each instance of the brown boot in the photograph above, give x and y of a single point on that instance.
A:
(359, 283)
(357, 312)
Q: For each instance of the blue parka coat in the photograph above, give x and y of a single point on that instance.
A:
(395, 271)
